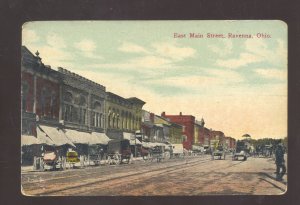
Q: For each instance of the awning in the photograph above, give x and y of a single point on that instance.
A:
(127, 135)
(78, 137)
(56, 135)
(103, 139)
(43, 138)
(135, 141)
(29, 140)
(152, 144)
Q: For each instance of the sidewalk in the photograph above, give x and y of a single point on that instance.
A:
(29, 168)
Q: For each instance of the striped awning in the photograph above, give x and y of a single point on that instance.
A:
(56, 135)
(102, 137)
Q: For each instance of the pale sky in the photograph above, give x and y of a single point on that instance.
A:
(237, 85)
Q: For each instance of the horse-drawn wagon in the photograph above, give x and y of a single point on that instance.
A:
(118, 151)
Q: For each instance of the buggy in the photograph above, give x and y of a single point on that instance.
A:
(118, 151)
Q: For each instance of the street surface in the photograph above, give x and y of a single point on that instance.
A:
(189, 176)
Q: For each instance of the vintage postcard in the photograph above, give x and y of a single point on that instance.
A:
(154, 108)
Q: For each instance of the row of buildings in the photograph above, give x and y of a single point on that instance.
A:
(62, 100)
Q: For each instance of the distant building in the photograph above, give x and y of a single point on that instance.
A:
(187, 121)
(230, 142)
(176, 133)
(198, 129)
(165, 124)
(147, 126)
(217, 135)
(205, 136)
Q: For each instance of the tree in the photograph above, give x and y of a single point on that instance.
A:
(246, 136)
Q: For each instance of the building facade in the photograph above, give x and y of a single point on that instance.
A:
(147, 126)
(188, 123)
(230, 142)
(176, 133)
(198, 129)
(122, 115)
(40, 97)
(163, 136)
(218, 135)
(82, 105)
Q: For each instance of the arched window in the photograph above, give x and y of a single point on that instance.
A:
(82, 110)
(95, 114)
(68, 113)
(82, 101)
(97, 106)
(68, 97)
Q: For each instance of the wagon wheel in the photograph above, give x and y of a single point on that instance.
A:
(146, 157)
(128, 159)
(117, 159)
(109, 160)
(167, 155)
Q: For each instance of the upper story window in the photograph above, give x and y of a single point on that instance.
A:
(53, 103)
(68, 97)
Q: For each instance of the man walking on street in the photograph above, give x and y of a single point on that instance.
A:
(279, 161)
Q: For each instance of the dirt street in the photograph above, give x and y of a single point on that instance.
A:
(197, 175)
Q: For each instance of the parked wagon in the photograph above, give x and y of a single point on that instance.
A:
(50, 160)
(118, 151)
(157, 153)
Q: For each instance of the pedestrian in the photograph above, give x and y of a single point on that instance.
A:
(279, 161)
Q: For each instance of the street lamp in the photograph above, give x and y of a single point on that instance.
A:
(135, 144)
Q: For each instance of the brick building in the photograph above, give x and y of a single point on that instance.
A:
(217, 135)
(187, 121)
(230, 142)
(40, 86)
(40, 105)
